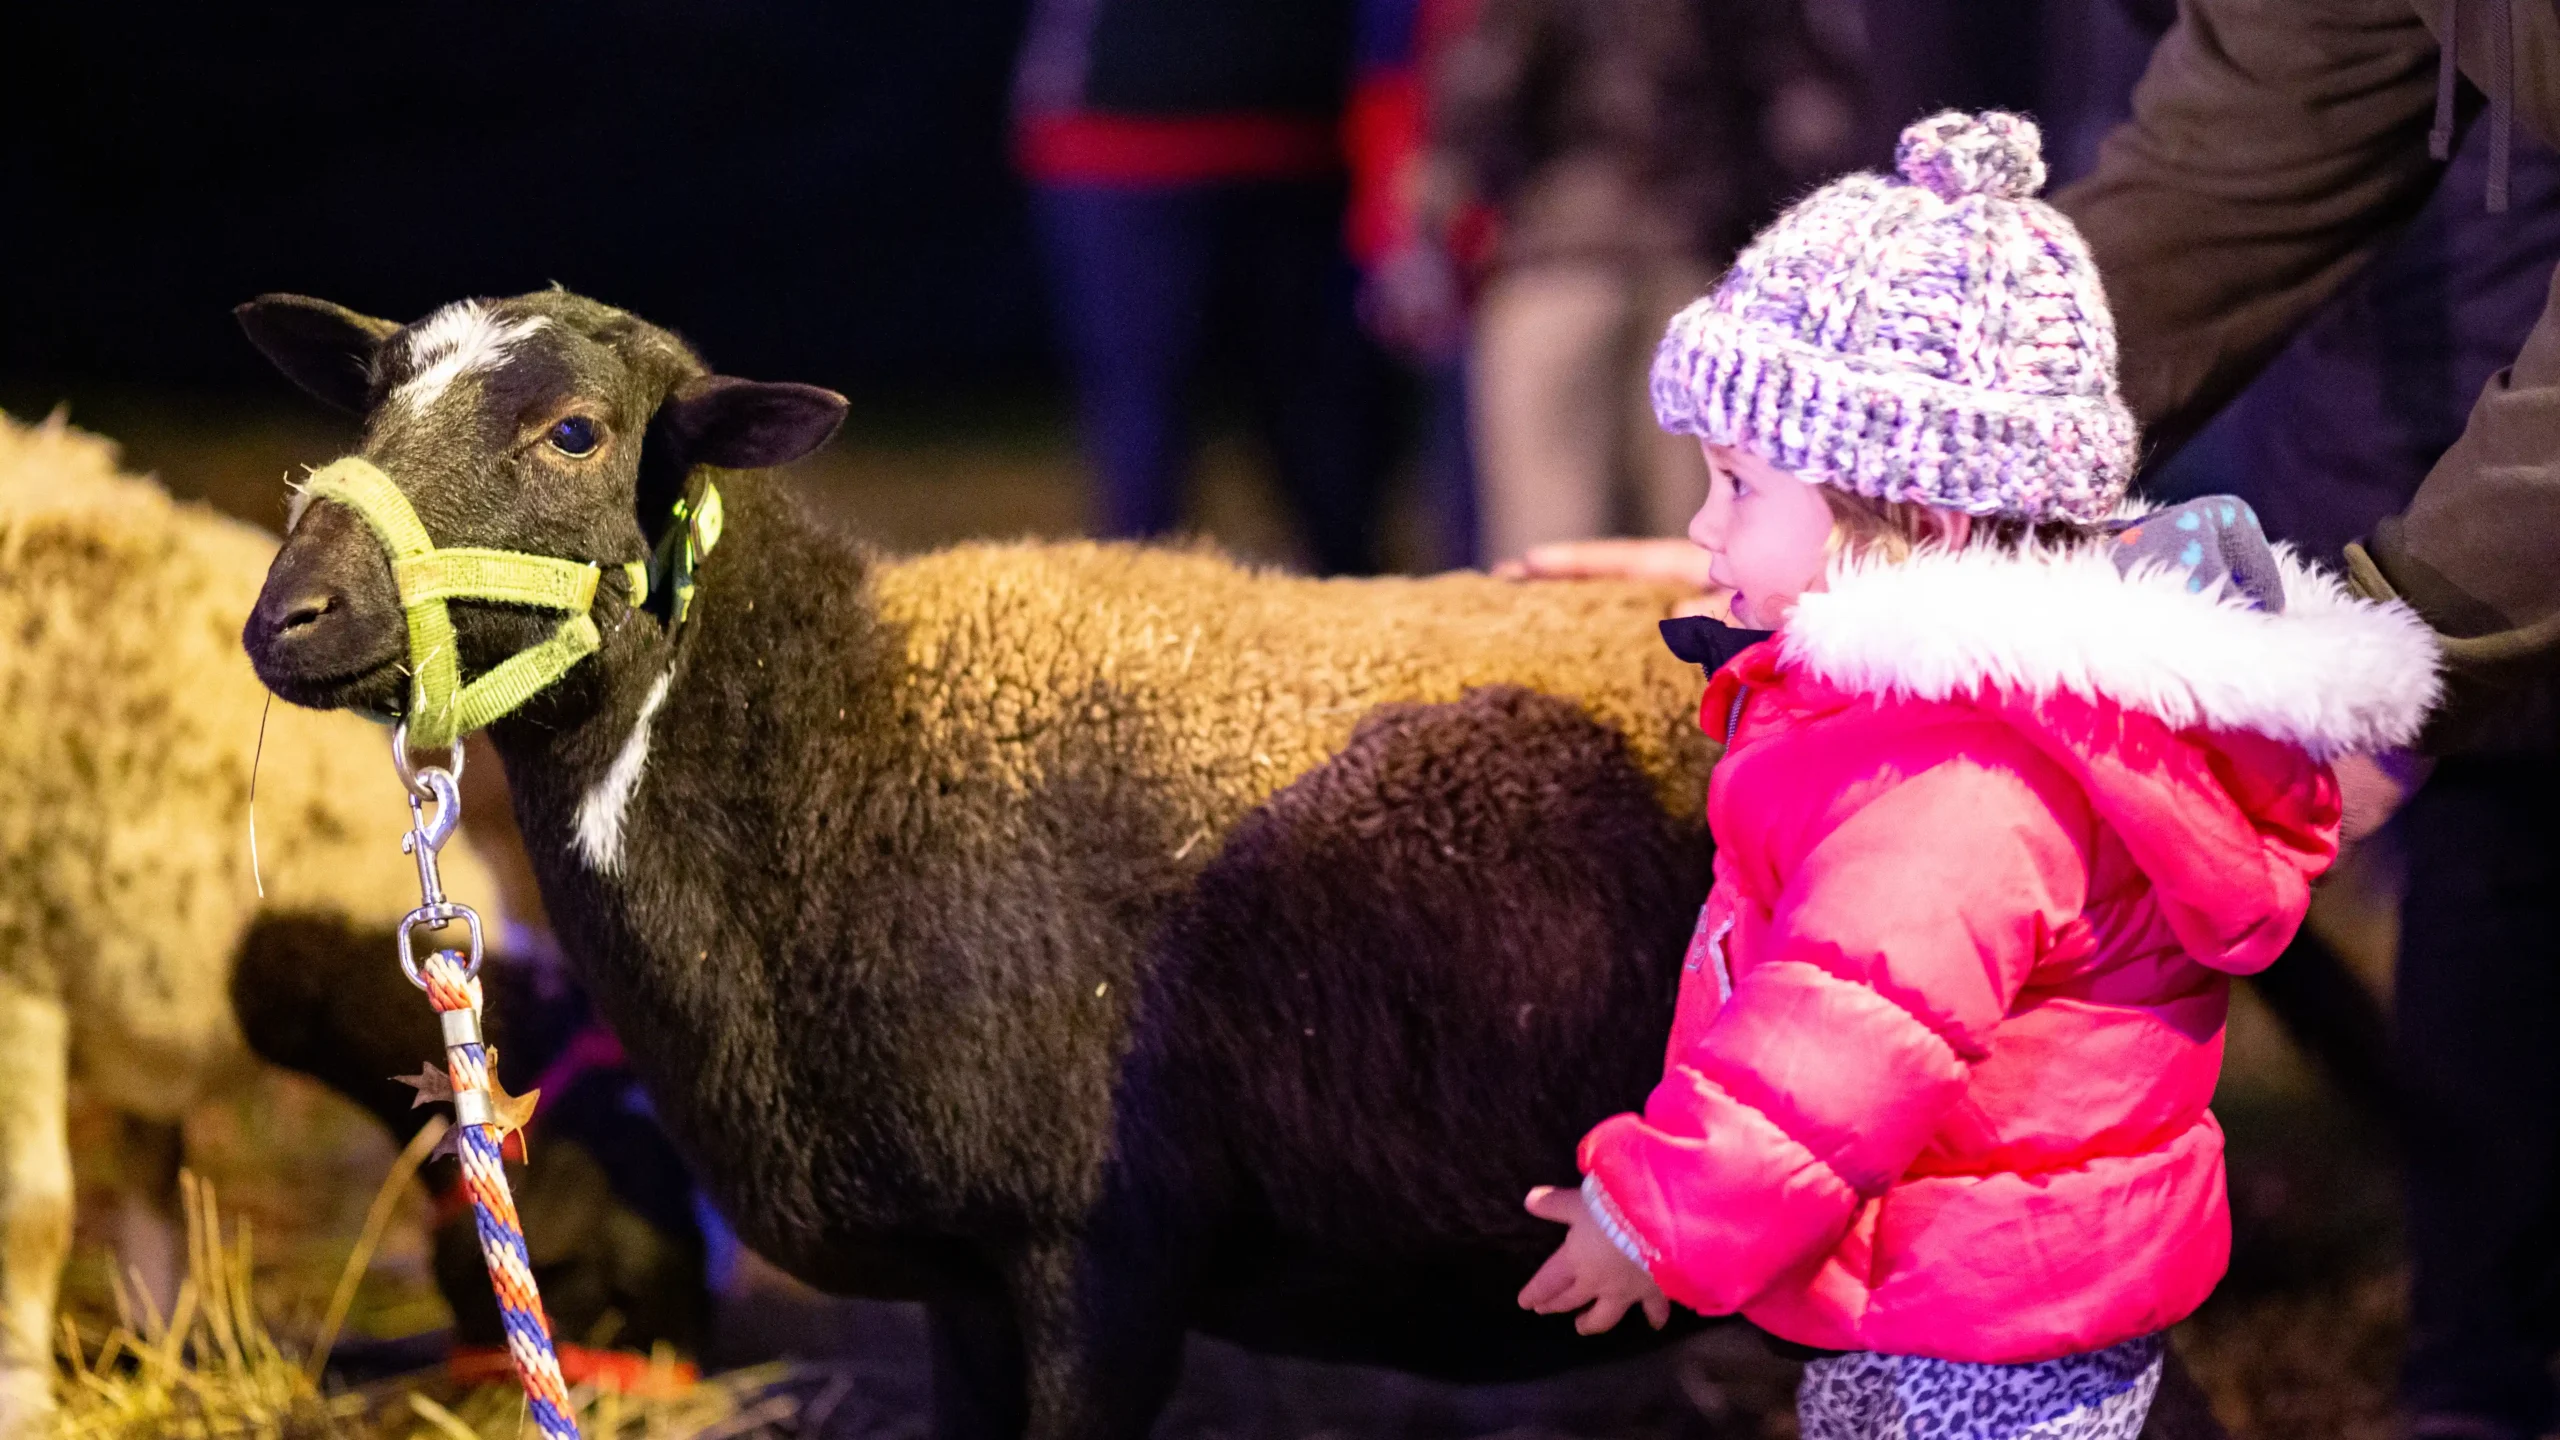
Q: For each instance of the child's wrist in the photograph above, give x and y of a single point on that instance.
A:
(1613, 1224)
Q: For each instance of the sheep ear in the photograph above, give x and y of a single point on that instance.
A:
(326, 349)
(747, 424)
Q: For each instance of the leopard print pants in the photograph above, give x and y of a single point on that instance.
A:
(2102, 1395)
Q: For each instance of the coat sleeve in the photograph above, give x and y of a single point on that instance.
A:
(2473, 555)
(1896, 948)
(2272, 149)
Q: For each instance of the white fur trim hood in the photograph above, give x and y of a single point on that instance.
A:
(2332, 673)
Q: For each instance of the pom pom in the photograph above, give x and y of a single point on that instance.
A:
(1953, 155)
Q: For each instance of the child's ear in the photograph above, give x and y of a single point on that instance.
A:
(1953, 527)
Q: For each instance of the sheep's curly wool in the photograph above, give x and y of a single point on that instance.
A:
(1237, 681)
(1938, 337)
(128, 721)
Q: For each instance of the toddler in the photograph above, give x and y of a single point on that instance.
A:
(2016, 786)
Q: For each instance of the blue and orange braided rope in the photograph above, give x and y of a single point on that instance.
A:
(493, 1207)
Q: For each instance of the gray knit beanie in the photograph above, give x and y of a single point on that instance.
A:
(1938, 337)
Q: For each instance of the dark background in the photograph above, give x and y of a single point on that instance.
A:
(808, 191)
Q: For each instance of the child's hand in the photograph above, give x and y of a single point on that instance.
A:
(1587, 1270)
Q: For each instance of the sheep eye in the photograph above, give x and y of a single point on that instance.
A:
(574, 436)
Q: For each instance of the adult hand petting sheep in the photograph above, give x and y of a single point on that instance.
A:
(1588, 1270)
(1653, 562)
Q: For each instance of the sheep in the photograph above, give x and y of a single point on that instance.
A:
(128, 720)
(1094, 941)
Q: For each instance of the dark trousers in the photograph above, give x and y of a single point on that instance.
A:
(1448, 464)
(2479, 1027)
(1144, 276)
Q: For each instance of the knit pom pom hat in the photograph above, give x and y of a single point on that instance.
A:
(1938, 337)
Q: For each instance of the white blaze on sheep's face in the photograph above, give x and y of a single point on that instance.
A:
(599, 838)
(460, 339)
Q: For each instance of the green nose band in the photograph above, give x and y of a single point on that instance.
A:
(441, 708)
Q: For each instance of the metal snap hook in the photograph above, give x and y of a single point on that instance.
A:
(409, 772)
(432, 831)
(427, 835)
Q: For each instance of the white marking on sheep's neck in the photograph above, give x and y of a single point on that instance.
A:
(599, 838)
(460, 339)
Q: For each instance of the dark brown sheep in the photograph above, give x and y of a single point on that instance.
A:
(1094, 941)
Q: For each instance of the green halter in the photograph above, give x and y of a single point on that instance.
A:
(441, 708)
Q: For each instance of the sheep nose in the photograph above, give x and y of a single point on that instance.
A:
(304, 616)
(302, 611)
(329, 611)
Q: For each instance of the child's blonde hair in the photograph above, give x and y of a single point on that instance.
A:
(1892, 530)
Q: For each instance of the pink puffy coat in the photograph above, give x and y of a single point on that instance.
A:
(1994, 832)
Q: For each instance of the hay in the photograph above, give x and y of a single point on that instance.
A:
(213, 1370)
(377, 1219)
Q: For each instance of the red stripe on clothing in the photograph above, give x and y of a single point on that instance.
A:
(1381, 135)
(1145, 150)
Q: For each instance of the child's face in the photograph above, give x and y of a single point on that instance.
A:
(1767, 533)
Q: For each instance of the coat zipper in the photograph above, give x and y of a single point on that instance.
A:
(1724, 927)
(1715, 953)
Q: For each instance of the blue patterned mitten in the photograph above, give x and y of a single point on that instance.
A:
(2212, 538)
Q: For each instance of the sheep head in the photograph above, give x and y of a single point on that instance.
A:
(545, 424)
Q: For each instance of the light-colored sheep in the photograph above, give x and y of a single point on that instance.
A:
(128, 720)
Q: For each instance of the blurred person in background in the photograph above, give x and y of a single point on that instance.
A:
(1186, 177)
(1626, 148)
(1417, 267)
